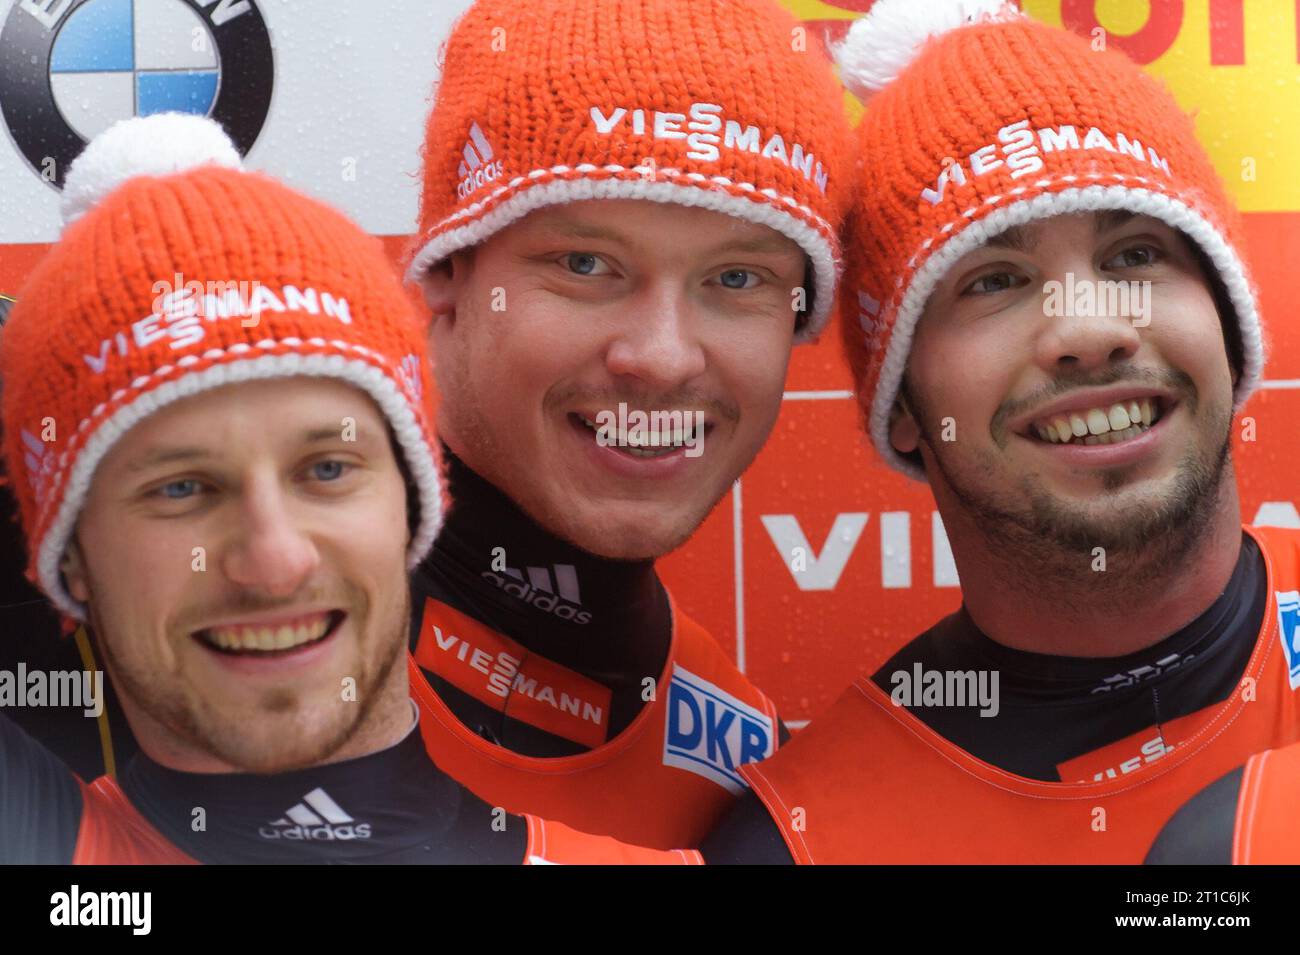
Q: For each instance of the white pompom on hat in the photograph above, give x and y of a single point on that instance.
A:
(880, 45)
(156, 145)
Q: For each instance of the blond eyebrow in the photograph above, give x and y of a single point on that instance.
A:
(775, 243)
(153, 459)
(575, 229)
(572, 228)
(156, 458)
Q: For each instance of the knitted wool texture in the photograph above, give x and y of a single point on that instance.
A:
(719, 104)
(976, 100)
(90, 349)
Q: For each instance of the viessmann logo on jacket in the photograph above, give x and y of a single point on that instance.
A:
(711, 733)
(498, 671)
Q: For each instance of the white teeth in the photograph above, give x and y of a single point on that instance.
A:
(1120, 422)
(1098, 423)
(267, 638)
(639, 453)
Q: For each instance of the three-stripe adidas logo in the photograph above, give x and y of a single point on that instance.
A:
(410, 372)
(479, 165)
(39, 460)
(317, 818)
(553, 590)
(565, 581)
(869, 319)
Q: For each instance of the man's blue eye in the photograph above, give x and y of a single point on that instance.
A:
(328, 470)
(178, 490)
(582, 263)
(736, 278)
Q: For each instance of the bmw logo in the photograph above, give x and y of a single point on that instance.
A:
(72, 68)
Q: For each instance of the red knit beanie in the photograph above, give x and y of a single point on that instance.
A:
(270, 284)
(720, 104)
(979, 119)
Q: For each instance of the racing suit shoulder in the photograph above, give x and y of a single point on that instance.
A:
(553, 843)
(114, 833)
(1200, 832)
(1247, 817)
(40, 801)
(699, 653)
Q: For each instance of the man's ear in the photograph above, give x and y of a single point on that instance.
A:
(442, 284)
(904, 430)
(73, 568)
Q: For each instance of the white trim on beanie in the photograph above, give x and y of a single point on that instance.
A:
(1173, 212)
(822, 252)
(361, 372)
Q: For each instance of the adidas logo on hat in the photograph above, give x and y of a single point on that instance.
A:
(39, 461)
(477, 169)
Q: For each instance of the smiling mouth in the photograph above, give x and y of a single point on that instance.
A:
(646, 443)
(247, 639)
(1109, 424)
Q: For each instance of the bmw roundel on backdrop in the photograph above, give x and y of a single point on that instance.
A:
(328, 95)
(71, 68)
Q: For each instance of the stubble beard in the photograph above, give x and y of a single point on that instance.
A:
(280, 746)
(1040, 538)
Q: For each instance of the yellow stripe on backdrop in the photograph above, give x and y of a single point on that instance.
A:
(1234, 64)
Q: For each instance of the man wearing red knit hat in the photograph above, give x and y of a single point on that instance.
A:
(1048, 319)
(630, 214)
(217, 430)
